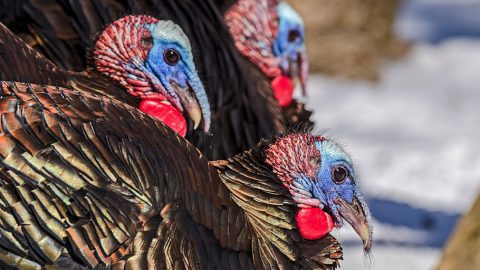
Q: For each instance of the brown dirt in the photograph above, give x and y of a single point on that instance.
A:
(462, 250)
(350, 38)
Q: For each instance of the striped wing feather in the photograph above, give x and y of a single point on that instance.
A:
(85, 180)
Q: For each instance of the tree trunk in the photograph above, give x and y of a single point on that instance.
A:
(463, 249)
(349, 37)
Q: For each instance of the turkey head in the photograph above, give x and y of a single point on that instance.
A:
(153, 60)
(271, 35)
(321, 179)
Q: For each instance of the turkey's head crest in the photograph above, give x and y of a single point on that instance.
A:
(321, 179)
(153, 60)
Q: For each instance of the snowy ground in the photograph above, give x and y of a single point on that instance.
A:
(414, 137)
(437, 20)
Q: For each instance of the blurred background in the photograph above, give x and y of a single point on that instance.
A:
(398, 82)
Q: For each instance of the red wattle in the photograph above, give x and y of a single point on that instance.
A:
(166, 113)
(283, 88)
(313, 223)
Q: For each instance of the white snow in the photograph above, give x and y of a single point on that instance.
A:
(383, 232)
(437, 20)
(414, 137)
(391, 258)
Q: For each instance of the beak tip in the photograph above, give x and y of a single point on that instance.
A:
(367, 246)
(196, 124)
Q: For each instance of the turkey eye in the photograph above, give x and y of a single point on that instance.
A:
(339, 174)
(293, 35)
(171, 56)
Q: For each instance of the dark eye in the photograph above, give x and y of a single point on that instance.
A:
(171, 56)
(339, 174)
(293, 35)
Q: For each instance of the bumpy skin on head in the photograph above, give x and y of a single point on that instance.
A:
(121, 51)
(254, 27)
(320, 176)
(293, 163)
(132, 50)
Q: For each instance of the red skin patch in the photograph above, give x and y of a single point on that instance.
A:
(166, 113)
(313, 223)
(283, 87)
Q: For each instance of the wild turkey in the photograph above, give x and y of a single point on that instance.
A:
(271, 35)
(83, 183)
(243, 107)
(163, 84)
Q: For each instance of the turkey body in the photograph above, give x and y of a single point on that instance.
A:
(81, 187)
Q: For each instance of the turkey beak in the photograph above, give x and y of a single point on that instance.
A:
(303, 70)
(191, 100)
(357, 214)
(298, 70)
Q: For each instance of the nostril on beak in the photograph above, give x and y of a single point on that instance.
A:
(357, 207)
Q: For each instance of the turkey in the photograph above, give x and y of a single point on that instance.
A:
(163, 83)
(271, 35)
(243, 107)
(81, 187)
